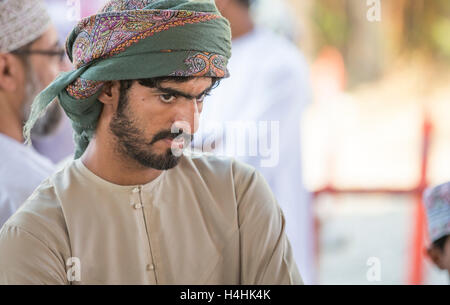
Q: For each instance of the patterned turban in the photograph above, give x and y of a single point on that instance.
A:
(437, 204)
(135, 39)
(21, 22)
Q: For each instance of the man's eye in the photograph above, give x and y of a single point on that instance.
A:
(167, 98)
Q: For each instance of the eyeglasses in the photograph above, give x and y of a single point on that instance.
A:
(60, 53)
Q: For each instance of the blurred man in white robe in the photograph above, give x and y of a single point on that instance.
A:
(30, 58)
(255, 116)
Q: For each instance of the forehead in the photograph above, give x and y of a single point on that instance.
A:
(192, 87)
(47, 40)
(197, 83)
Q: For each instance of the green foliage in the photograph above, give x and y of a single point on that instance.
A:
(425, 25)
(330, 23)
(428, 27)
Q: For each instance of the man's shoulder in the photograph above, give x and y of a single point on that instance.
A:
(211, 164)
(21, 170)
(220, 172)
(34, 243)
(22, 159)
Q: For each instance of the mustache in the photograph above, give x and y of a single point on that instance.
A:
(168, 134)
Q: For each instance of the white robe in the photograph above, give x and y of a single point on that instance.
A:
(22, 169)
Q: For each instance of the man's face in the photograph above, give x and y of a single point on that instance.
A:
(446, 256)
(40, 71)
(441, 257)
(221, 4)
(151, 124)
(46, 68)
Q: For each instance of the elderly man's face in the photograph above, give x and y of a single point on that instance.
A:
(152, 124)
(441, 257)
(446, 256)
(40, 71)
(46, 68)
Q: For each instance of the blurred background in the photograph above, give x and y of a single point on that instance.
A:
(376, 132)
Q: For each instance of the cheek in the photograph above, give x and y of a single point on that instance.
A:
(47, 71)
(151, 117)
(20, 89)
(51, 74)
(446, 255)
(195, 124)
(21, 95)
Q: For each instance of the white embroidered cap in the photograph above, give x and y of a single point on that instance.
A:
(437, 204)
(21, 22)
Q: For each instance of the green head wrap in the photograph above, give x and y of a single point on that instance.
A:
(134, 39)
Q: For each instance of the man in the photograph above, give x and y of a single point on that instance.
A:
(266, 93)
(132, 210)
(437, 203)
(29, 61)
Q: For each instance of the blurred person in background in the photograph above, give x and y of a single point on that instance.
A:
(59, 146)
(30, 58)
(437, 204)
(269, 82)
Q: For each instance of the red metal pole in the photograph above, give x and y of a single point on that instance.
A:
(416, 273)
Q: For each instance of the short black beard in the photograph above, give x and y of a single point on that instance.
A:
(130, 141)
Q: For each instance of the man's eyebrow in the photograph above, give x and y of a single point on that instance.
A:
(179, 93)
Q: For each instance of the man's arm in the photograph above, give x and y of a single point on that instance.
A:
(266, 254)
(25, 259)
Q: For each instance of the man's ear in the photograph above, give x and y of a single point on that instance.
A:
(110, 94)
(9, 72)
(436, 256)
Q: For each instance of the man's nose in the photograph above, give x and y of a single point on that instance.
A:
(187, 115)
